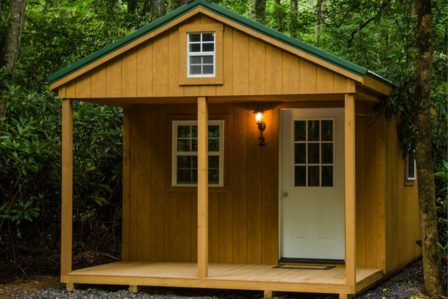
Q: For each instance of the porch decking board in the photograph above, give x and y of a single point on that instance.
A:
(226, 276)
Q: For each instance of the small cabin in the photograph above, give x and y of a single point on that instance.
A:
(251, 161)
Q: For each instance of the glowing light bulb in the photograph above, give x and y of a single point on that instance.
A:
(259, 117)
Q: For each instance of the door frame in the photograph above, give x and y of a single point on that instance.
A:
(280, 150)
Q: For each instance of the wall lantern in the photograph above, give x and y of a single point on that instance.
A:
(259, 120)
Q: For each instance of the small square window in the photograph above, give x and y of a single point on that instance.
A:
(201, 54)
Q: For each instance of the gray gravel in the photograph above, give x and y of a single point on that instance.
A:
(406, 284)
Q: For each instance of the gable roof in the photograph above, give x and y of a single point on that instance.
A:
(207, 4)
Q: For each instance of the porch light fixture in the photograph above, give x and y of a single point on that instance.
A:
(259, 120)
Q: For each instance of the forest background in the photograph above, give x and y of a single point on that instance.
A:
(376, 34)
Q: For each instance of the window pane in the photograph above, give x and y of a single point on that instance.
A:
(313, 152)
(206, 37)
(213, 145)
(195, 37)
(213, 176)
(207, 59)
(209, 47)
(300, 153)
(195, 59)
(327, 130)
(411, 168)
(327, 152)
(184, 162)
(194, 145)
(313, 130)
(313, 175)
(327, 176)
(195, 69)
(194, 162)
(213, 162)
(208, 69)
(183, 131)
(213, 131)
(194, 176)
(183, 145)
(195, 47)
(194, 131)
(299, 130)
(299, 176)
(184, 176)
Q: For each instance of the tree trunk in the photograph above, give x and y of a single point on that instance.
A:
(321, 7)
(158, 8)
(12, 37)
(294, 14)
(260, 10)
(173, 4)
(423, 155)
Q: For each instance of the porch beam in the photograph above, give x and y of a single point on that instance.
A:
(202, 188)
(67, 189)
(350, 191)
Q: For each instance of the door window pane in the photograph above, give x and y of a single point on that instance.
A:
(300, 130)
(314, 152)
(313, 175)
(327, 130)
(300, 153)
(327, 152)
(300, 176)
(327, 176)
(313, 130)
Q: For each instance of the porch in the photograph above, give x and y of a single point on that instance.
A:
(226, 276)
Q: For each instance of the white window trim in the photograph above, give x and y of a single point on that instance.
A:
(189, 75)
(410, 178)
(175, 153)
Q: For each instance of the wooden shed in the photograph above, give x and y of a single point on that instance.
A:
(251, 161)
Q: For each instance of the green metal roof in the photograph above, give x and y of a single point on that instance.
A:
(356, 69)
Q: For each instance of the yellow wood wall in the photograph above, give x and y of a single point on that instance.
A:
(251, 67)
(370, 190)
(402, 206)
(159, 221)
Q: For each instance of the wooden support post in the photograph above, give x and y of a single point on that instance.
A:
(267, 295)
(133, 288)
(350, 191)
(202, 188)
(70, 286)
(67, 189)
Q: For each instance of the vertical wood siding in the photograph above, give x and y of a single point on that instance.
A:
(160, 221)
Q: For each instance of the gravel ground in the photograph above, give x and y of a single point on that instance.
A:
(406, 284)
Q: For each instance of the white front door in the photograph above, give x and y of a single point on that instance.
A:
(312, 184)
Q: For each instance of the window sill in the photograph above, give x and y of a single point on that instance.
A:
(201, 81)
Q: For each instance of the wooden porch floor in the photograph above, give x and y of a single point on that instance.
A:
(224, 276)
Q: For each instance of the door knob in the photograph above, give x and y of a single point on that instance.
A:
(285, 194)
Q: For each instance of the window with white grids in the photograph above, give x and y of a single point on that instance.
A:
(201, 54)
(313, 153)
(185, 153)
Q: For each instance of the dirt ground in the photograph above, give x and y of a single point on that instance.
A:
(30, 285)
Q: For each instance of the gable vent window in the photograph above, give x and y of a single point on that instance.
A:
(201, 54)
